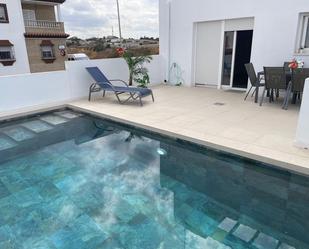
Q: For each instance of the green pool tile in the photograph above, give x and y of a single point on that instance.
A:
(48, 191)
(68, 114)
(38, 243)
(6, 234)
(265, 241)
(113, 192)
(244, 232)
(19, 134)
(64, 210)
(219, 235)
(227, 224)
(28, 197)
(14, 182)
(6, 143)
(66, 238)
(3, 190)
(54, 119)
(123, 210)
(88, 230)
(37, 126)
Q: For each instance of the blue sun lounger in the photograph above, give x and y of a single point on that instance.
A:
(102, 83)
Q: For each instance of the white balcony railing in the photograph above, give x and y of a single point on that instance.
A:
(43, 24)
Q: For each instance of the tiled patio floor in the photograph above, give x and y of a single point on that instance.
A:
(265, 133)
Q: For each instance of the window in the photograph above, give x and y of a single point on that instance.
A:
(6, 53)
(47, 52)
(3, 14)
(29, 15)
(7, 57)
(303, 37)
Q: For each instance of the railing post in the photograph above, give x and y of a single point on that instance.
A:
(43, 24)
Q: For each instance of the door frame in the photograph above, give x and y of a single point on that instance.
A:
(220, 66)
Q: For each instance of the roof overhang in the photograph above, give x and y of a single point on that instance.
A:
(45, 35)
(51, 1)
(47, 2)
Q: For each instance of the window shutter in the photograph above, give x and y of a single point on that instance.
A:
(29, 15)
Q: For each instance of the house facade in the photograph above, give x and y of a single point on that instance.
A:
(32, 36)
(212, 40)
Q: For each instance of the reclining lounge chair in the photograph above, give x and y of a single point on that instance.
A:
(102, 83)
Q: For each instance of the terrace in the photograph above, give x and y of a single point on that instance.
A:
(196, 114)
(216, 118)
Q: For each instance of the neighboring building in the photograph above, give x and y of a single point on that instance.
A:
(32, 36)
(211, 40)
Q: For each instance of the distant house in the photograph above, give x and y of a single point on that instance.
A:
(32, 36)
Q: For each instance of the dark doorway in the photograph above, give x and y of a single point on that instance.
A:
(242, 56)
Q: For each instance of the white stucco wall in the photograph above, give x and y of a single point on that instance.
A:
(27, 90)
(14, 32)
(275, 28)
(116, 68)
(302, 134)
(31, 90)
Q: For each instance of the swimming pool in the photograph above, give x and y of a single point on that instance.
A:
(71, 180)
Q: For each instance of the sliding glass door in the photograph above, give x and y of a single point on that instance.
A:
(236, 53)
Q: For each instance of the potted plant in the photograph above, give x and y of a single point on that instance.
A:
(294, 64)
(137, 71)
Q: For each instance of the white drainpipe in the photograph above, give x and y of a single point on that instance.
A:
(169, 39)
(59, 16)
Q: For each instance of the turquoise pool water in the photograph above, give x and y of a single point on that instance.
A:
(70, 180)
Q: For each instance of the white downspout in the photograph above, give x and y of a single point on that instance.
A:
(169, 40)
(59, 16)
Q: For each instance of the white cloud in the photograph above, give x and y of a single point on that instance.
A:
(97, 17)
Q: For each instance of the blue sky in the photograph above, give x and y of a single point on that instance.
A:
(88, 18)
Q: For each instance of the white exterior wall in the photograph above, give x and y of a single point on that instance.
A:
(302, 135)
(14, 32)
(275, 29)
(31, 90)
(112, 68)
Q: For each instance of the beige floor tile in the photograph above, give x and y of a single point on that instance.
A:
(266, 133)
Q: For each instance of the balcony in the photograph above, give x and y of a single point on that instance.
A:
(42, 28)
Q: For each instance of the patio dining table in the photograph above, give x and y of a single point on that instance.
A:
(262, 74)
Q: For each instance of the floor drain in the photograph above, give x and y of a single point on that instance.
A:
(219, 103)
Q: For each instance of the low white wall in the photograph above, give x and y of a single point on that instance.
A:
(302, 134)
(26, 90)
(30, 90)
(116, 68)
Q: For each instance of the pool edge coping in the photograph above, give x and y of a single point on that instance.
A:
(274, 162)
(267, 160)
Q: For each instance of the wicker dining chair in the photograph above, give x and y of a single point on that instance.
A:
(296, 86)
(275, 79)
(255, 82)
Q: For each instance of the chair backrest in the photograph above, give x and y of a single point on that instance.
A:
(275, 78)
(251, 73)
(299, 77)
(286, 66)
(99, 77)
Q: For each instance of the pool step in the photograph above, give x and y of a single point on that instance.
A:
(11, 136)
(6, 143)
(251, 236)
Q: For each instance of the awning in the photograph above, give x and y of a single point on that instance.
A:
(46, 43)
(46, 35)
(5, 43)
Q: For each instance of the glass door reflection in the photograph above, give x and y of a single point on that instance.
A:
(228, 57)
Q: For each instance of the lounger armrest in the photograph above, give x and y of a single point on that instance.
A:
(123, 82)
